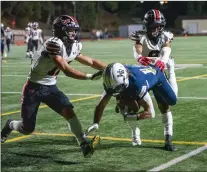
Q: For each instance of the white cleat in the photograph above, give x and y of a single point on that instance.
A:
(136, 141)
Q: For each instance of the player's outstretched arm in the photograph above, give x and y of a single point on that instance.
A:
(68, 70)
(137, 49)
(94, 63)
(98, 113)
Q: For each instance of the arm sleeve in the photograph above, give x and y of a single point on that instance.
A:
(165, 54)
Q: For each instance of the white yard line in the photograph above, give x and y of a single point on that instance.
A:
(179, 159)
(62, 76)
(83, 94)
(179, 77)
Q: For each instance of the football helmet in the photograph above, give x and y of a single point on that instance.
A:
(115, 78)
(35, 25)
(154, 23)
(29, 24)
(66, 28)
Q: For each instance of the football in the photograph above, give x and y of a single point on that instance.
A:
(132, 105)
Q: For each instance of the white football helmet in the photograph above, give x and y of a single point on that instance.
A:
(115, 78)
(35, 25)
(29, 24)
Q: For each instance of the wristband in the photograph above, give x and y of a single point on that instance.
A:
(88, 76)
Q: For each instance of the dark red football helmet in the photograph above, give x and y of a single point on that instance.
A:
(66, 28)
(154, 23)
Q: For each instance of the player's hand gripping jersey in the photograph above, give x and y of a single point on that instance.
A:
(43, 69)
(155, 51)
(150, 48)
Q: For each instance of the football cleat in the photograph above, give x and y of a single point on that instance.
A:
(136, 141)
(169, 146)
(6, 131)
(88, 148)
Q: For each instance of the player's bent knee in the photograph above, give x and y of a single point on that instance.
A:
(68, 113)
(26, 131)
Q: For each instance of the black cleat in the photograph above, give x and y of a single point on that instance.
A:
(169, 146)
(6, 131)
(88, 148)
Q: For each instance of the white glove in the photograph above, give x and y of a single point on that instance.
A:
(93, 127)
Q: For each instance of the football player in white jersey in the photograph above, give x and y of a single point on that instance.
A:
(36, 36)
(55, 55)
(28, 40)
(153, 46)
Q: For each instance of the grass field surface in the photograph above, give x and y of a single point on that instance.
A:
(53, 148)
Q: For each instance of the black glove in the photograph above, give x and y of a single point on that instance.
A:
(97, 75)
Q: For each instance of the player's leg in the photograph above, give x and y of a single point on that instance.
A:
(8, 45)
(29, 48)
(30, 104)
(2, 48)
(60, 103)
(36, 44)
(172, 76)
(167, 120)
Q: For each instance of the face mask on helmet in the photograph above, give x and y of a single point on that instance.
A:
(154, 23)
(154, 30)
(70, 34)
(115, 78)
(66, 28)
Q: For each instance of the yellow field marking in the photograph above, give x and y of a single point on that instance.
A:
(193, 77)
(44, 106)
(18, 138)
(114, 138)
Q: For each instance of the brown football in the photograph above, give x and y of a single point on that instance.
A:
(132, 105)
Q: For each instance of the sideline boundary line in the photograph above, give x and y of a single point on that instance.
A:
(179, 159)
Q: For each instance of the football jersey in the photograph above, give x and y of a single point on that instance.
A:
(141, 80)
(36, 34)
(43, 69)
(150, 48)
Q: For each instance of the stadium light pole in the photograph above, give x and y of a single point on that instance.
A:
(74, 8)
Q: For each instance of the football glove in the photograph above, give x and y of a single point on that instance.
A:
(160, 64)
(92, 128)
(95, 76)
(144, 60)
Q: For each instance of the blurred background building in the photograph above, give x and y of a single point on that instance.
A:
(117, 18)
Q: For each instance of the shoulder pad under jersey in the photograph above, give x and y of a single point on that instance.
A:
(137, 35)
(168, 36)
(53, 46)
